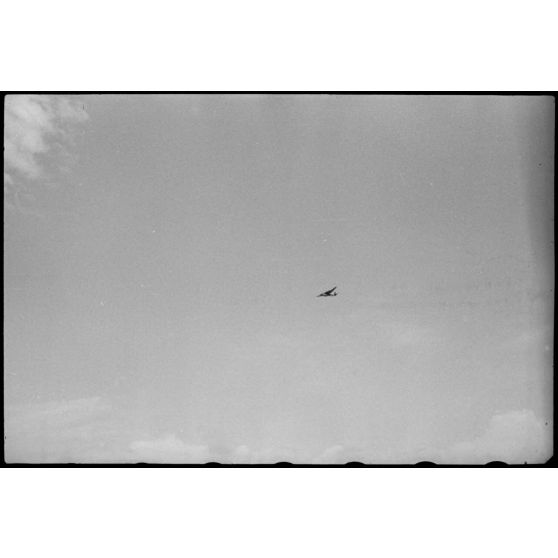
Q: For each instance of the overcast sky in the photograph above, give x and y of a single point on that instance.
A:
(162, 257)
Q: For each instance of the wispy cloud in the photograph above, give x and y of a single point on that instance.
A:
(33, 123)
(169, 449)
(333, 455)
(56, 431)
(245, 455)
(373, 454)
(55, 413)
(513, 437)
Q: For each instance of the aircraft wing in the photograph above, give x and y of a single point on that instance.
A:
(328, 293)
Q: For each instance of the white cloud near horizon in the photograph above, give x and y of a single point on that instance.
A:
(56, 431)
(514, 437)
(80, 430)
(169, 449)
(32, 123)
(332, 456)
(58, 411)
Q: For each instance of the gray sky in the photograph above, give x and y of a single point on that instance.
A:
(163, 254)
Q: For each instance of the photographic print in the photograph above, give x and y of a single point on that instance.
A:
(254, 279)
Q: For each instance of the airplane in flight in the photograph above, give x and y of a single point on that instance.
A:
(328, 293)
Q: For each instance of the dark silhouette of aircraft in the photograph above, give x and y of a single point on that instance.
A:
(328, 293)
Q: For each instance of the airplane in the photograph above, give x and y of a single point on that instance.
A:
(328, 293)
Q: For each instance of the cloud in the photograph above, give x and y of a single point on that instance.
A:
(86, 430)
(169, 449)
(56, 431)
(32, 123)
(333, 455)
(513, 437)
(245, 455)
(57, 413)
(372, 454)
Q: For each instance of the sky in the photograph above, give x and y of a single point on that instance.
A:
(163, 255)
